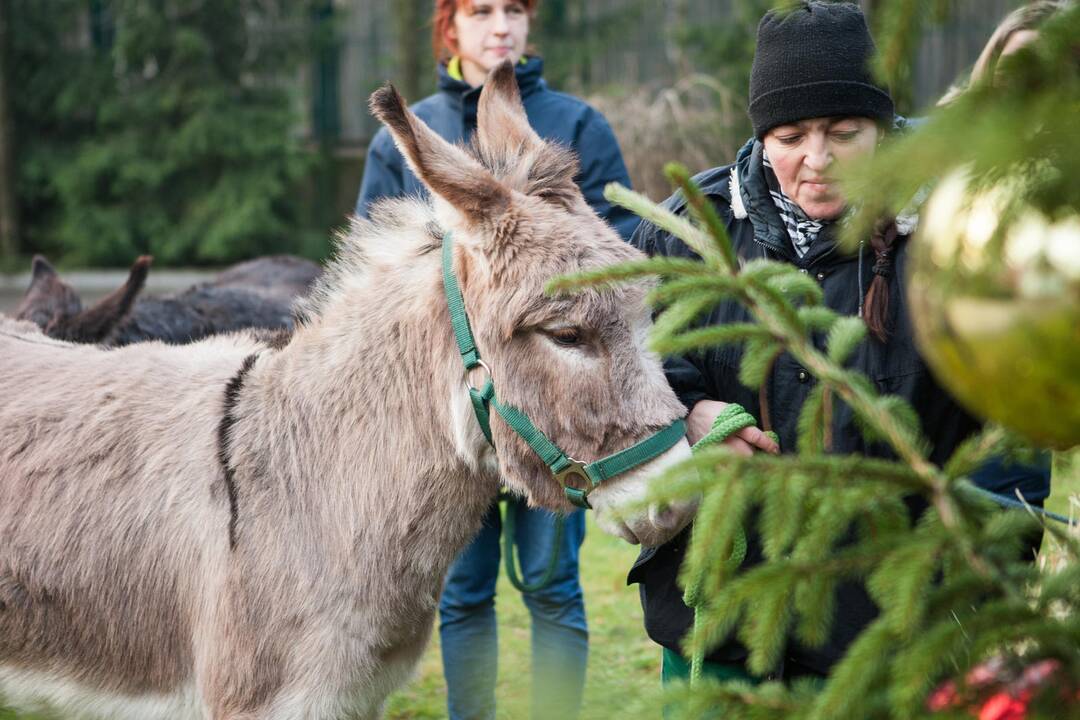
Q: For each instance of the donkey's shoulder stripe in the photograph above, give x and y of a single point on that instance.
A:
(228, 420)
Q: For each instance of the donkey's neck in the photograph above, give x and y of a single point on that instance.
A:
(366, 395)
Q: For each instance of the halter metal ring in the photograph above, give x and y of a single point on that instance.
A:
(576, 495)
(575, 469)
(468, 371)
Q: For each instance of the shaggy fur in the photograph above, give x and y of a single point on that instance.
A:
(358, 469)
(285, 277)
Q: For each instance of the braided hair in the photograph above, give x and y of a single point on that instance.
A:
(876, 304)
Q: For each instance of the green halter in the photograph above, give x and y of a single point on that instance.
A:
(562, 466)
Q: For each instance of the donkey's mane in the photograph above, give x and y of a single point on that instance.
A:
(400, 231)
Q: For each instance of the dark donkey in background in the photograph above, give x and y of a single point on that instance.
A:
(259, 293)
(238, 530)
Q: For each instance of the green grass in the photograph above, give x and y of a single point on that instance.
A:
(623, 673)
(1064, 499)
(1066, 484)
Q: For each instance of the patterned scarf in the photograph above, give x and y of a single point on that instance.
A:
(802, 230)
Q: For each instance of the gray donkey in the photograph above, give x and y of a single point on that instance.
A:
(237, 531)
(258, 293)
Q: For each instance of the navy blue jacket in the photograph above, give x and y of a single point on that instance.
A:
(451, 113)
(894, 367)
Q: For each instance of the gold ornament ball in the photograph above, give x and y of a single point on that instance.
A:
(995, 300)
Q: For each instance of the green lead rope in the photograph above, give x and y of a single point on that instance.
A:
(731, 419)
(509, 523)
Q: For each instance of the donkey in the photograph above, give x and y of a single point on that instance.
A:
(57, 309)
(258, 293)
(285, 277)
(238, 531)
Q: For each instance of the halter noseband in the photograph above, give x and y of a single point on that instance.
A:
(563, 467)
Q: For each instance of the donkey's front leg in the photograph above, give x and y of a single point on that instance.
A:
(270, 677)
(283, 705)
(246, 663)
(231, 696)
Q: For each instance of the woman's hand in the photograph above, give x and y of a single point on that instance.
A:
(744, 442)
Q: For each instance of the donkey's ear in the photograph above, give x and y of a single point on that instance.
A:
(510, 146)
(94, 324)
(446, 170)
(40, 268)
(502, 128)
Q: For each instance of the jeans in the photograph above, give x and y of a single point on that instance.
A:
(560, 637)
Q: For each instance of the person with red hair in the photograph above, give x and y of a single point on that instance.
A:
(470, 38)
(445, 43)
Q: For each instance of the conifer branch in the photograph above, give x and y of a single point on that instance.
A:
(769, 308)
(704, 212)
(646, 209)
(659, 266)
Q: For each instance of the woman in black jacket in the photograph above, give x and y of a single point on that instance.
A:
(813, 104)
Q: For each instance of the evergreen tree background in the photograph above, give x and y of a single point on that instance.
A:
(84, 98)
(166, 128)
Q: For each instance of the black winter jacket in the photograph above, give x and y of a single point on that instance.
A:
(895, 367)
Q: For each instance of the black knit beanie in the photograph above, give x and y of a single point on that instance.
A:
(814, 61)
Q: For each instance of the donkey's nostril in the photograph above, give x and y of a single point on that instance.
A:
(669, 518)
(623, 530)
(663, 516)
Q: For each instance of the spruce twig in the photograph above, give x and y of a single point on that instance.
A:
(704, 212)
(762, 303)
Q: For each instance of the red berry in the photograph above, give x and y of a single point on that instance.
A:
(1003, 706)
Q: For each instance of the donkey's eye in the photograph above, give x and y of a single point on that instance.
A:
(568, 337)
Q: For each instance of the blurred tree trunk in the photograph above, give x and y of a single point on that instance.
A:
(9, 217)
(549, 35)
(409, 17)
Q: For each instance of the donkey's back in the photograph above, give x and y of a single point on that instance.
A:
(113, 514)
